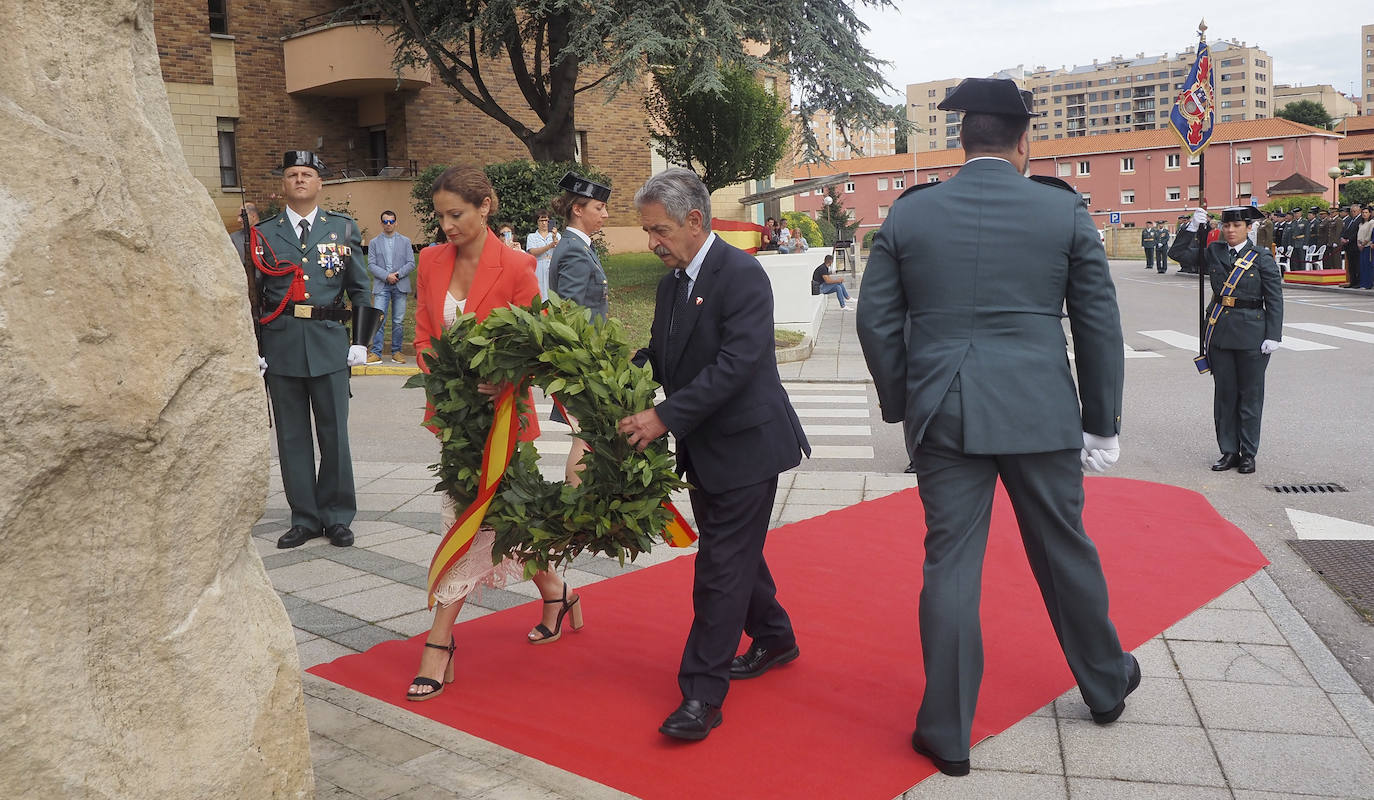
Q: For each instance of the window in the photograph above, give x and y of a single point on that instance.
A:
(1193, 161)
(882, 212)
(1127, 196)
(882, 184)
(932, 179)
(899, 183)
(930, 93)
(219, 18)
(228, 158)
(1171, 161)
(1084, 168)
(849, 187)
(580, 147)
(770, 85)
(1243, 189)
(1225, 117)
(1088, 198)
(1242, 155)
(1065, 170)
(1192, 192)
(1128, 164)
(1275, 152)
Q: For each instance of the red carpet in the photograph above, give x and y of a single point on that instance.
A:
(835, 723)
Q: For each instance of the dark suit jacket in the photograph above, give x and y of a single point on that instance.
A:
(734, 424)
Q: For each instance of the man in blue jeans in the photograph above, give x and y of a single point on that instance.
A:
(822, 282)
(390, 259)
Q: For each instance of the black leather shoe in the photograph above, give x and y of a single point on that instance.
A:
(1227, 461)
(692, 721)
(297, 536)
(1246, 465)
(1106, 717)
(957, 769)
(339, 535)
(757, 660)
(910, 469)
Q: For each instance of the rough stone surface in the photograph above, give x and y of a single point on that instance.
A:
(143, 650)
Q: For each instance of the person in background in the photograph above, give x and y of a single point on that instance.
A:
(1147, 244)
(1363, 238)
(390, 259)
(1162, 246)
(822, 282)
(769, 235)
(540, 244)
(507, 235)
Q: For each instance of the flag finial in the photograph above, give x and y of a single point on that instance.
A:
(1202, 27)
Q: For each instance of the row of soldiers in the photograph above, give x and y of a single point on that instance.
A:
(1317, 228)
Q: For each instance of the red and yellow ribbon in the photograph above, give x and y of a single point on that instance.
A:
(496, 457)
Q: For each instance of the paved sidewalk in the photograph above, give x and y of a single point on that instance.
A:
(1238, 700)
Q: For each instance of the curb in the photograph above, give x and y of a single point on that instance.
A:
(386, 369)
(800, 352)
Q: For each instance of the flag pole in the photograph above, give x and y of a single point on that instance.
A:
(1201, 256)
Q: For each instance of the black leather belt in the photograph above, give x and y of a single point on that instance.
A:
(1235, 302)
(306, 311)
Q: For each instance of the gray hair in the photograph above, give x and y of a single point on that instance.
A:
(679, 191)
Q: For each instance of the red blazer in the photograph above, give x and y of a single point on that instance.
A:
(505, 276)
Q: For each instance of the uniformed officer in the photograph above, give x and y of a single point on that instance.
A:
(1244, 326)
(1264, 236)
(1331, 258)
(1161, 247)
(574, 268)
(960, 323)
(1295, 236)
(318, 259)
(1147, 243)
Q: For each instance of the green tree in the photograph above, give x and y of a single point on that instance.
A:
(903, 126)
(731, 136)
(1361, 191)
(558, 51)
(1308, 112)
(1298, 203)
(836, 217)
(522, 188)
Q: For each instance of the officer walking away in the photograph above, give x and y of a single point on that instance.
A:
(1147, 244)
(1244, 326)
(315, 258)
(1161, 247)
(960, 324)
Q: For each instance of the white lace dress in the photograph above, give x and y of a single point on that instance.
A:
(474, 570)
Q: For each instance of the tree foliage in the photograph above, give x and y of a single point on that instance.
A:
(522, 188)
(1308, 112)
(557, 51)
(1300, 202)
(1361, 191)
(735, 135)
(806, 226)
(837, 218)
(903, 127)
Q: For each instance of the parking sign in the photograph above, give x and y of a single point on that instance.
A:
(1114, 217)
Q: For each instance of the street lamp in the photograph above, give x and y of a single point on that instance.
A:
(1333, 174)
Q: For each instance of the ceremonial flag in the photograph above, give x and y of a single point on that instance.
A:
(1194, 110)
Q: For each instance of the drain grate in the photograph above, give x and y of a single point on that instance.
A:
(1306, 488)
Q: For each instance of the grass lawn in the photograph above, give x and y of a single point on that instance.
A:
(633, 278)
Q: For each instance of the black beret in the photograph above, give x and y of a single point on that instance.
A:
(988, 96)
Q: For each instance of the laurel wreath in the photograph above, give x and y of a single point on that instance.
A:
(618, 508)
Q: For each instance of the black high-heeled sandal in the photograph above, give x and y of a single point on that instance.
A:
(438, 688)
(547, 636)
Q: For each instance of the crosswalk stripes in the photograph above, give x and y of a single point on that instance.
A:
(1331, 330)
(1188, 341)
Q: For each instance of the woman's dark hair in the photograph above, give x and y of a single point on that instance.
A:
(564, 204)
(543, 212)
(469, 183)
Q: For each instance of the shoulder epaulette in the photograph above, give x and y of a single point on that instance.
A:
(338, 214)
(918, 187)
(1050, 180)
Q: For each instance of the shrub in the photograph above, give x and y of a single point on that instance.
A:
(810, 231)
(868, 239)
(1299, 203)
(827, 231)
(522, 187)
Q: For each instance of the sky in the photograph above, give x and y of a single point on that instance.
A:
(975, 38)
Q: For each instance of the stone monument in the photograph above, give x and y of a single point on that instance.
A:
(143, 653)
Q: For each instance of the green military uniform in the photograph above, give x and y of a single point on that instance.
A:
(1147, 243)
(1161, 247)
(306, 362)
(1252, 314)
(1295, 236)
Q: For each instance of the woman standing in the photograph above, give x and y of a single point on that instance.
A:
(474, 271)
(540, 244)
(1364, 238)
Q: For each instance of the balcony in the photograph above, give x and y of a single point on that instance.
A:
(347, 59)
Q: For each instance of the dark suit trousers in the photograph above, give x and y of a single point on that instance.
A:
(1237, 398)
(732, 591)
(1046, 491)
(1162, 259)
(317, 501)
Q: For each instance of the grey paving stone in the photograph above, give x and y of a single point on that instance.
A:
(1323, 666)
(1159, 701)
(830, 497)
(828, 480)
(394, 485)
(1136, 752)
(500, 599)
(381, 603)
(414, 471)
(393, 533)
(321, 620)
(320, 651)
(1240, 663)
(306, 574)
(1155, 660)
(365, 638)
(421, 504)
(1279, 762)
(519, 790)
(365, 560)
(372, 470)
(986, 784)
(411, 624)
(1098, 789)
(1237, 598)
(1359, 715)
(324, 750)
(424, 521)
(887, 480)
(290, 602)
(329, 721)
(324, 790)
(427, 791)
(798, 513)
(384, 502)
(285, 558)
(415, 549)
(303, 636)
(458, 774)
(365, 527)
(606, 567)
(1031, 745)
(409, 574)
(271, 527)
(340, 588)
(1226, 625)
(367, 777)
(384, 744)
(1258, 707)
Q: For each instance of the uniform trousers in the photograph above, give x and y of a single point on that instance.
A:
(1149, 256)
(732, 590)
(1162, 259)
(1046, 491)
(1237, 397)
(317, 501)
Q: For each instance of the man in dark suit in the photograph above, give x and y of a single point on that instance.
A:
(1161, 247)
(1349, 245)
(711, 347)
(1147, 244)
(960, 323)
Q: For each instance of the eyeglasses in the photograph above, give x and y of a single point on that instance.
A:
(388, 222)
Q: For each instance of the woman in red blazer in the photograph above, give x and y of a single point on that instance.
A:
(474, 271)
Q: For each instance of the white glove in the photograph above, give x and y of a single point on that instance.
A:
(262, 366)
(1198, 220)
(1268, 346)
(1099, 452)
(357, 355)
(1254, 232)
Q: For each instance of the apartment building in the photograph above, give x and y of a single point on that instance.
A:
(1118, 95)
(1336, 104)
(881, 141)
(1367, 68)
(1141, 175)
